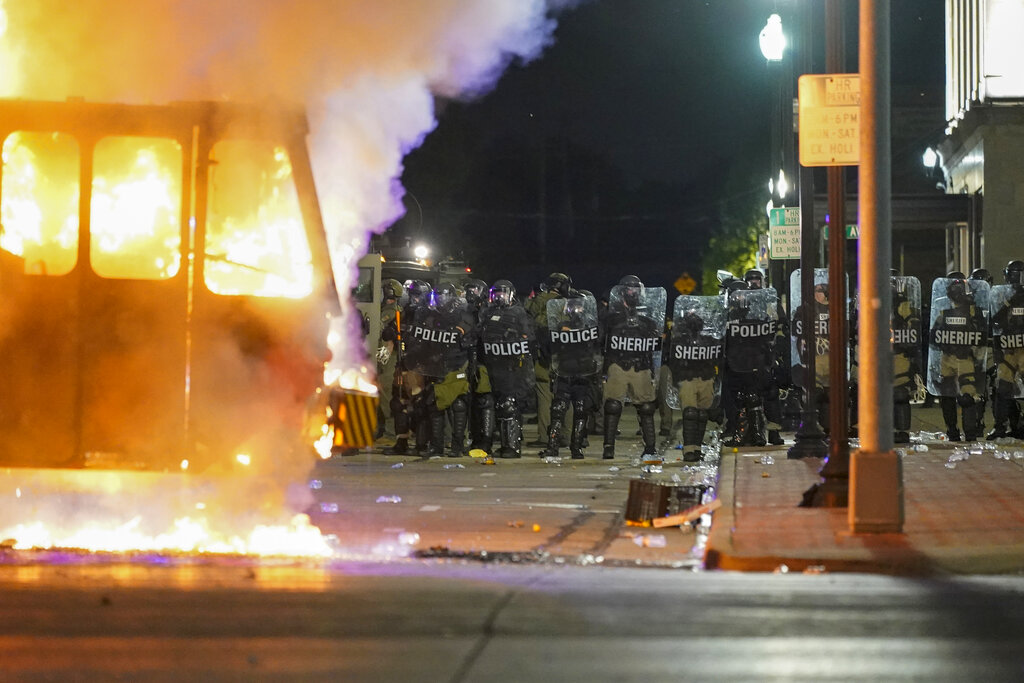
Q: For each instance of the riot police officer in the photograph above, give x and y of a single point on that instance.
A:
(770, 386)
(1008, 345)
(475, 292)
(408, 383)
(556, 286)
(507, 377)
(632, 347)
(906, 349)
(575, 360)
(392, 292)
(750, 333)
(958, 351)
(695, 358)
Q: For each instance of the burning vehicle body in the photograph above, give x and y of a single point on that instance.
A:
(165, 285)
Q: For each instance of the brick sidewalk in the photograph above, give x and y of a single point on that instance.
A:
(965, 519)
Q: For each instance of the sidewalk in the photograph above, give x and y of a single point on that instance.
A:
(963, 513)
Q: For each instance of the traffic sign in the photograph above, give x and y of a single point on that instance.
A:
(829, 112)
(685, 284)
(852, 231)
(784, 232)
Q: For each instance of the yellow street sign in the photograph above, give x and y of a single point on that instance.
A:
(685, 284)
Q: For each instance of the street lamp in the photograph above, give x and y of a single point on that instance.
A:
(930, 158)
(772, 40)
(420, 251)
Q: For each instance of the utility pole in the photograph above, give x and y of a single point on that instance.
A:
(876, 472)
(834, 488)
(809, 441)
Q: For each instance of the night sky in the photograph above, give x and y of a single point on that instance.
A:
(618, 150)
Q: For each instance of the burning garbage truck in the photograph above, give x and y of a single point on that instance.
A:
(165, 286)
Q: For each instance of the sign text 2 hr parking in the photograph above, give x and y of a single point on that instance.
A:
(829, 119)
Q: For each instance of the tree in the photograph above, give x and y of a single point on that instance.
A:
(741, 218)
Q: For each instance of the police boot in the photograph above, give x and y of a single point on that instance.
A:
(437, 425)
(756, 420)
(948, 406)
(1001, 418)
(901, 421)
(401, 447)
(558, 409)
(484, 438)
(648, 432)
(612, 413)
(511, 437)
(969, 416)
(579, 435)
(402, 428)
(460, 417)
(740, 428)
(423, 435)
(693, 434)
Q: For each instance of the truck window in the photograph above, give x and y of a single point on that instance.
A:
(39, 201)
(256, 242)
(363, 292)
(135, 221)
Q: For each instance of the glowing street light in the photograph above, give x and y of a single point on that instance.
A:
(772, 40)
(420, 251)
(930, 158)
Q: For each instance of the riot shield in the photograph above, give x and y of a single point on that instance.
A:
(506, 335)
(634, 328)
(696, 348)
(752, 322)
(430, 340)
(799, 357)
(905, 320)
(1006, 303)
(958, 341)
(574, 335)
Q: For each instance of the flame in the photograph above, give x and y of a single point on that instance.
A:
(256, 241)
(151, 512)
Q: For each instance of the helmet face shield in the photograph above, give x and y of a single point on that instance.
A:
(502, 293)
(1013, 272)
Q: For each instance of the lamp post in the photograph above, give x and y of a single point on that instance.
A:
(810, 440)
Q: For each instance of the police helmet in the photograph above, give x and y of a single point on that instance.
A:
(754, 278)
(821, 288)
(475, 290)
(981, 274)
(559, 282)
(392, 289)
(419, 291)
(444, 297)
(632, 289)
(1012, 272)
(574, 307)
(502, 293)
(956, 275)
(957, 289)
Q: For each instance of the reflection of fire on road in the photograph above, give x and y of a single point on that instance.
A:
(165, 284)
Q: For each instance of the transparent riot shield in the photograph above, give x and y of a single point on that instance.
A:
(799, 357)
(430, 340)
(506, 336)
(696, 351)
(574, 335)
(905, 322)
(958, 341)
(752, 322)
(1006, 304)
(635, 326)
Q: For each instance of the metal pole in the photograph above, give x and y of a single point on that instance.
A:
(876, 475)
(810, 440)
(834, 488)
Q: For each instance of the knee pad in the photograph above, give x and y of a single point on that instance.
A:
(559, 406)
(483, 401)
(691, 414)
(966, 400)
(506, 407)
(460, 405)
(648, 408)
(613, 407)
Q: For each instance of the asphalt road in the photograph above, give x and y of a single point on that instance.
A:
(470, 621)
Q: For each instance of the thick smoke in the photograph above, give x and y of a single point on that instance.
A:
(367, 72)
